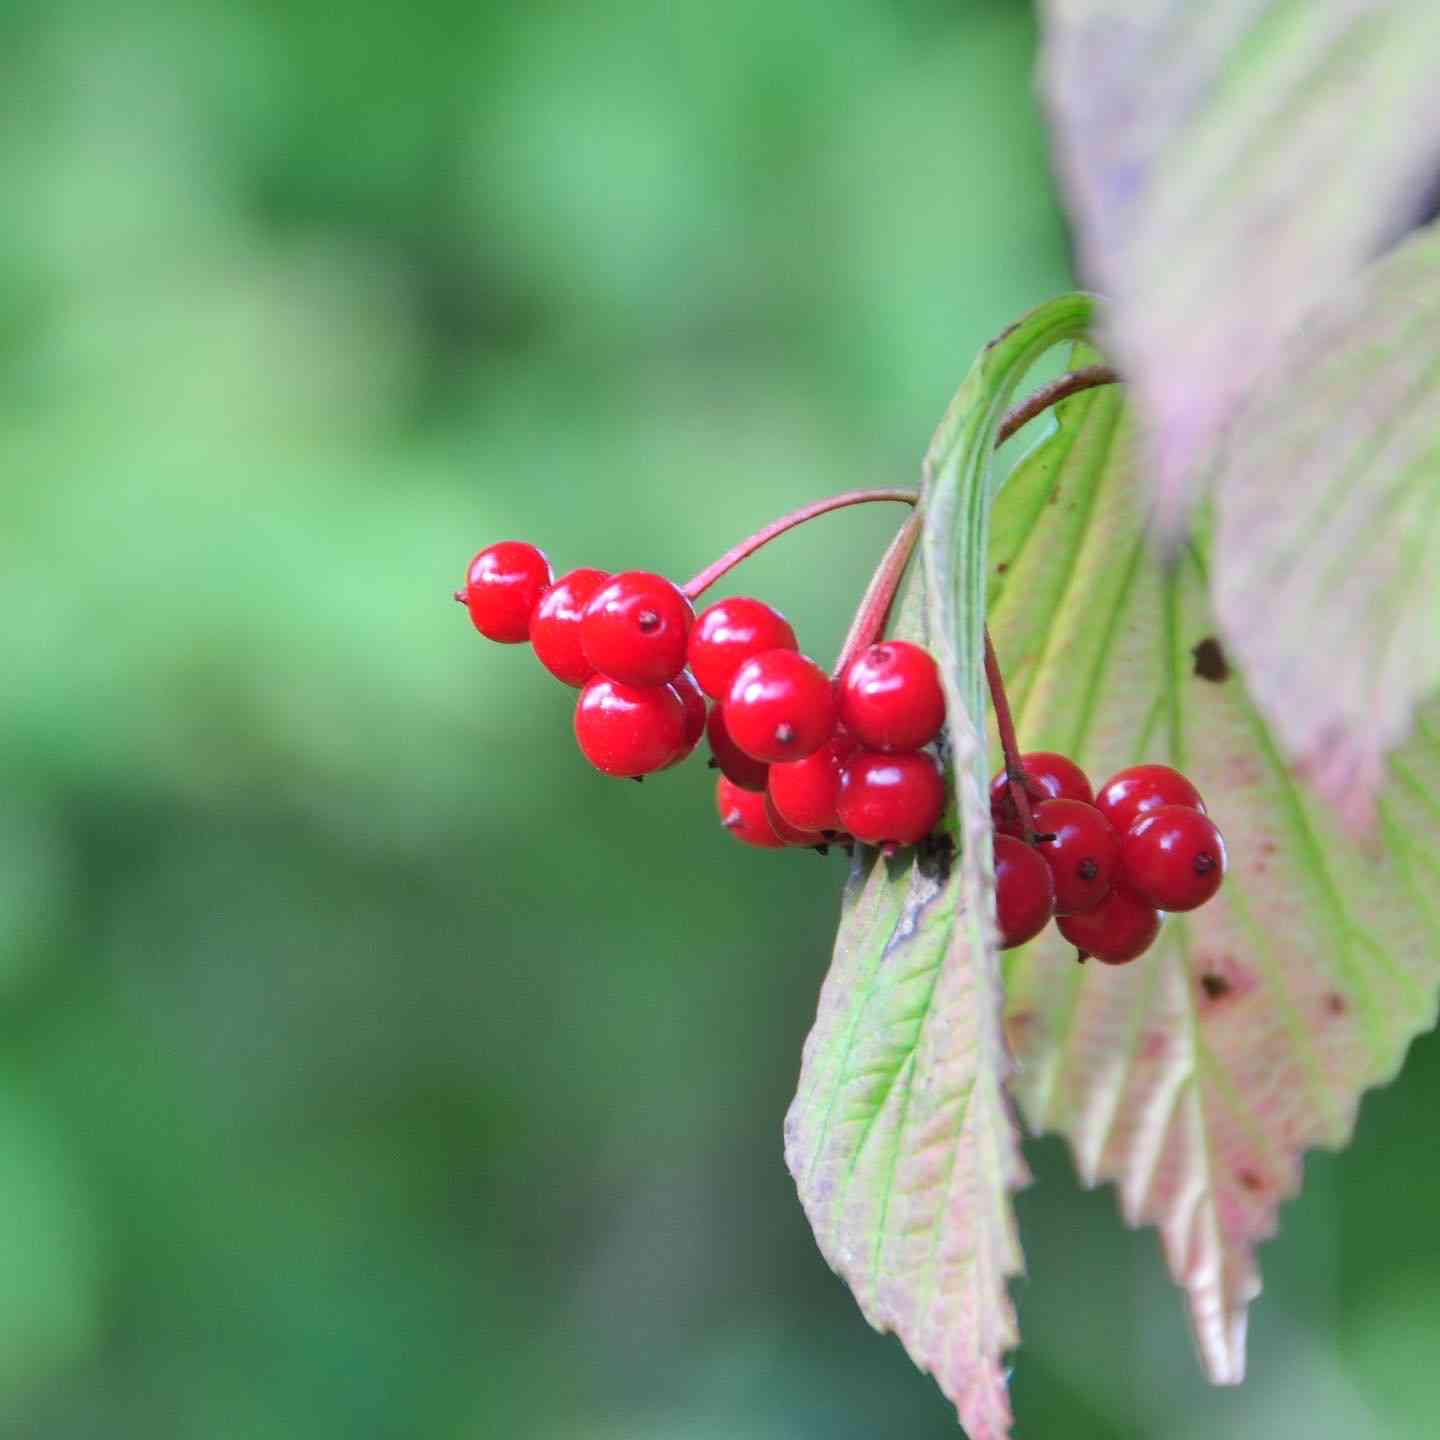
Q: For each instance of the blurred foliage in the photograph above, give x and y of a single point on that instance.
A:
(371, 1067)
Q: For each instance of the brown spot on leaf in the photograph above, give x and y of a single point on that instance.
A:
(1002, 567)
(1216, 987)
(1155, 1045)
(1020, 1030)
(1210, 661)
(1335, 1003)
(1252, 1180)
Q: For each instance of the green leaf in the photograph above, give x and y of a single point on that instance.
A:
(1196, 1077)
(1225, 166)
(1327, 555)
(900, 1137)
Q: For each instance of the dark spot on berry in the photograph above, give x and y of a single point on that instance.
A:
(1210, 661)
(1252, 1180)
(648, 621)
(1335, 1003)
(821, 849)
(1204, 863)
(1216, 987)
(1087, 869)
(1081, 956)
(784, 734)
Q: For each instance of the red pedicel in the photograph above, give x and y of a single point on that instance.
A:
(1173, 857)
(780, 707)
(742, 813)
(1130, 793)
(1119, 929)
(502, 587)
(1056, 776)
(555, 625)
(730, 632)
(627, 729)
(1083, 855)
(1024, 892)
(890, 697)
(890, 799)
(636, 627)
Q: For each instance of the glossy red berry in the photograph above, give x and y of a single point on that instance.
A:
(1119, 929)
(503, 586)
(791, 834)
(636, 627)
(727, 634)
(1024, 892)
(555, 625)
(890, 799)
(629, 729)
(1082, 856)
(693, 704)
(742, 813)
(1131, 793)
(890, 697)
(806, 792)
(1173, 857)
(1056, 776)
(732, 762)
(780, 706)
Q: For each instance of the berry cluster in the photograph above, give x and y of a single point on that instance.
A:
(803, 759)
(1105, 866)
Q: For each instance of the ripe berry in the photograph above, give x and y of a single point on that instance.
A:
(1173, 857)
(1128, 795)
(555, 625)
(728, 633)
(734, 764)
(890, 698)
(791, 834)
(635, 629)
(502, 587)
(806, 792)
(742, 813)
(693, 704)
(629, 730)
(1024, 892)
(1119, 929)
(1082, 856)
(890, 799)
(781, 706)
(1058, 777)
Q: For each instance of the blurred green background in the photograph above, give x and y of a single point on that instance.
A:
(370, 1066)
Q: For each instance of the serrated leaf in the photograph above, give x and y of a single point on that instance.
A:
(1327, 555)
(1226, 165)
(900, 1137)
(1196, 1077)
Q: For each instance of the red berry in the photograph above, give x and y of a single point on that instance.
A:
(734, 764)
(635, 629)
(781, 706)
(791, 834)
(1058, 777)
(806, 792)
(1173, 857)
(627, 729)
(890, 698)
(1082, 856)
(502, 588)
(1119, 929)
(1024, 892)
(728, 633)
(555, 625)
(742, 813)
(693, 704)
(890, 799)
(1129, 794)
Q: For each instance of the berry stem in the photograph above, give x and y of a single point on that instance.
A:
(870, 618)
(747, 547)
(1005, 724)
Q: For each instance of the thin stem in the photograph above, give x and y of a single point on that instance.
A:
(747, 547)
(1068, 384)
(874, 611)
(1005, 724)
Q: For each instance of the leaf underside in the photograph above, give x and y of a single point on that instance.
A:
(1225, 165)
(1327, 556)
(1196, 1077)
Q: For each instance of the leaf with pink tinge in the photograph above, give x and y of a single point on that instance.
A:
(900, 1137)
(1327, 547)
(1196, 1077)
(1225, 165)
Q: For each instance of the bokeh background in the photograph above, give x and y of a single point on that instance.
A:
(369, 1067)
